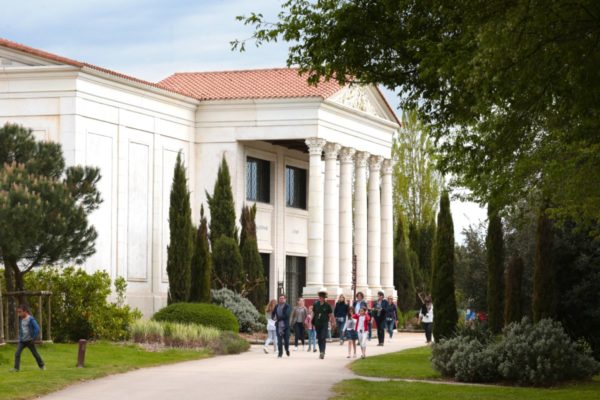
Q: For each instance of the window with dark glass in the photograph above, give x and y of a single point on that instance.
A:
(258, 180)
(295, 187)
(295, 277)
(266, 262)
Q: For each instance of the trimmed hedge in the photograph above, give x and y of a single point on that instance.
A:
(199, 313)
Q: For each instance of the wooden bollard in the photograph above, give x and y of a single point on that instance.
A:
(81, 353)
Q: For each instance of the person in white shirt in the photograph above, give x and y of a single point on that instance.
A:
(426, 318)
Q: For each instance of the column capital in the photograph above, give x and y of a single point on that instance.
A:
(387, 167)
(315, 145)
(375, 163)
(361, 159)
(332, 150)
(347, 155)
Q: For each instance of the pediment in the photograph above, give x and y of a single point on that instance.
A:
(366, 99)
(13, 58)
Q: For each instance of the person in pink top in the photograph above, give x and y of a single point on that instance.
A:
(362, 329)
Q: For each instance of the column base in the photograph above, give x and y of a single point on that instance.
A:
(312, 292)
(390, 291)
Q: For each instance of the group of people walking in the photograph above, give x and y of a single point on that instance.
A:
(353, 322)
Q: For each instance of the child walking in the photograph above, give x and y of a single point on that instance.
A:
(362, 327)
(312, 333)
(271, 328)
(350, 333)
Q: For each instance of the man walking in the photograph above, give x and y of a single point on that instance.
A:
(28, 332)
(322, 315)
(380, 312)
(281, 314)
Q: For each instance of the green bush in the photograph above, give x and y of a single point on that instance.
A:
(80, 305)
(248, 317)
(199, 313)
(229, 343)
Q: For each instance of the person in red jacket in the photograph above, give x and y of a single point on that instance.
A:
(362, 328)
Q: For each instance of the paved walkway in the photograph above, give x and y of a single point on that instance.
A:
(252, 375)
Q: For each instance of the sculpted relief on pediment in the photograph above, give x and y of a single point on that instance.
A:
(357, 97)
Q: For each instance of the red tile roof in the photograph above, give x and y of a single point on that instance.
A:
(79, 64)
(250, 84)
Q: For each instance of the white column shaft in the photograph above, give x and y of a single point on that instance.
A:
(346, 162)
(374, 230)
(314, 267)
(331, 228)
(360, 221)
(387, 229)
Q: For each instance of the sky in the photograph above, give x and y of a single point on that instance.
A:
(151, 39)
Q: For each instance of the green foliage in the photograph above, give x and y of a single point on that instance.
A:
(417, 183)
(471, 269)
(512, 294)
(479, 74)
(544, 278)
(44, 206)
(222, 208)
(248, 317)
(420, 241)
(495, 263)
(198, 313)
(227, 262)
(254, 282)
(442, 283)
(403, 275)
(173, 334)
(181, 241)
(466, 359)
(230, 343)
(80, 309)
(201, 274)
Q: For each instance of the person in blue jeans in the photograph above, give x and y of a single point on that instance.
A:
(340, 312)
(281, 314)
(28, 332)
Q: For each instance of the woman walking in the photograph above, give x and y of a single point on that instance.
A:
(298, 316)
(312, 333)
(391, 316)
(362, 326)
(426, 318)
(340, 312)
(271, 328)
(349, 333)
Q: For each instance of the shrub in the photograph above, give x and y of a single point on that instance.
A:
(248, 317)
(80, 306)
(144, 331)
(229, 343)
(199, 313)
(542, 354)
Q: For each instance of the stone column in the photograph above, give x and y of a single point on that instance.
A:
(387, 230)
(331, 276)
(314, 267)
(360, 222)
(374, 230)
(346, 161)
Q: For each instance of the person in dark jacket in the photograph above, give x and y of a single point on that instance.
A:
(340, 312)
(28, 332)
(359, 303)
(281, 314)
(391, 318)
(379, 313)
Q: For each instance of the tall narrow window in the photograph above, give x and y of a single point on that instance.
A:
(295, 187)
(295, 274)
(266, 261)
(258, 180)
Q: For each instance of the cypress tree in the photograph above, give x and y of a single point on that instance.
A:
(512, 294)
(426, 236)
(495, 261)
(442, 283)
(417, 277)
(227, 262)
(414, 247)
(181, 244)
(201, 264)
(544, 282)
(221, 205)
(252, 262)
(403, 276)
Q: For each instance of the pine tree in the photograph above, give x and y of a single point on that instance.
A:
(227, 262)
(221, 205)
(544, 282)
(181, 243)
(201, 264)
(254, 287)
(512, 293)
(495, 261)
(442, 284)
(403, 275)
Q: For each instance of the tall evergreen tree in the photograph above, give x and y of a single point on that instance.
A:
(222, 207)
(442, 284)
(227, 262)
(254, 287)
(495, 261)
(544, 282)
(201, 264)
(426, 238)
(403, 275)
(181, 244)
(512, 294)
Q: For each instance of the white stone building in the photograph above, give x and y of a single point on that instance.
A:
(316, 160)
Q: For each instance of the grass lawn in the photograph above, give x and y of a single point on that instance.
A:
(101, 359)
(415, 363)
